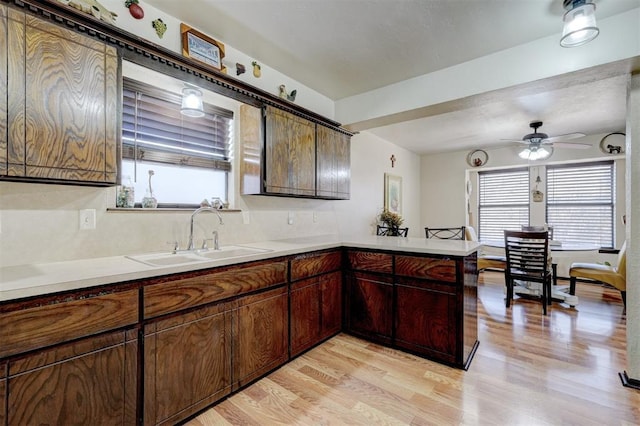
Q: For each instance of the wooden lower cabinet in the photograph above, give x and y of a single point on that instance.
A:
(425, 319)
(187, 363)
(260, 334)
(425, 304)
(305, 314)
(89, 382)
(369, 307)
(330, 304)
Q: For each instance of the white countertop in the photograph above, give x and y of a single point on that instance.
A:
(17, 282)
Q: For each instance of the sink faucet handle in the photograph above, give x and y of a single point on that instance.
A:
(205, 246)
(175, 246)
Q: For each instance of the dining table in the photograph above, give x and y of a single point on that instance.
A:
(558, 292)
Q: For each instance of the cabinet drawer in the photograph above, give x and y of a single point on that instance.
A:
(371, 262)
(315, 264)
(440, 269)
(49, 324)
(174, 294)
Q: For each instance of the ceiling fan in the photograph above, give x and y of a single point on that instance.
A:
(540, 145)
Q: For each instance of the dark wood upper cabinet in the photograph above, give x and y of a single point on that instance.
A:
(62, 112)
(284, 154)
(290, 159)
(4, 56)
(333, 150)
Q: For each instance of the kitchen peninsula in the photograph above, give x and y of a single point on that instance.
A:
(142, 344)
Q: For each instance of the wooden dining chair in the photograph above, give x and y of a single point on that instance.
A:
(528, 260)
(389, 231)
(538, 228)
(446, 233)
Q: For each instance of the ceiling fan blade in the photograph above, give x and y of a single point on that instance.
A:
(572, 145)
(564, 137)
(514, 140)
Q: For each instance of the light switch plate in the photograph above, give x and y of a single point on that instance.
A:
(87, 219)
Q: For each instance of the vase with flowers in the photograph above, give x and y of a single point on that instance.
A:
(392, 220)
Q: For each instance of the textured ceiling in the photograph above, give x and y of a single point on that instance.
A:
(345, 47)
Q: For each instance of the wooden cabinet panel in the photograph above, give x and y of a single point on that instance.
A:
(63, 103)
(369, 309)
(3, 392)
(91, 381)
(308, 265)
(261, 335)
(167, 295)
(251, 146)
(187, 362)
(330, 304)
(426, 319)
(370, 261)
(440, 269)
(333, 150)
(4, 58)
(289, 154)
(305, 315)
(35, 327)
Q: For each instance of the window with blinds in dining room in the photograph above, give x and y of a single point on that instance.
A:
(503, 202)
(581, 202)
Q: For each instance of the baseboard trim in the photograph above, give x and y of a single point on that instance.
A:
(628, 382)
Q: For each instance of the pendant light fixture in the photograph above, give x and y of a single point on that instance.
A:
(192, 105)
(579, 23)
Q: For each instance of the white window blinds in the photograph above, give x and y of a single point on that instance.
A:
(580, 202)
(503, 202)
(154, 130)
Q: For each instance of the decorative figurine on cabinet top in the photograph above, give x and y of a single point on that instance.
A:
(288, 96)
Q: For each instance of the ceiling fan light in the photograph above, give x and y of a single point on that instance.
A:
(534, 153)
(579, 23)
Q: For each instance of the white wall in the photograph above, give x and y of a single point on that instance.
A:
(443, 183)
(40, 223)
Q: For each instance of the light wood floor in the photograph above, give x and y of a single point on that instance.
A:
(529, 370)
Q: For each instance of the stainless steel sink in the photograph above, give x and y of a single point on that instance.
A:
(187, 257)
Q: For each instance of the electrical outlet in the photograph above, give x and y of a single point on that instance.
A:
(87, 219)
(291, 218)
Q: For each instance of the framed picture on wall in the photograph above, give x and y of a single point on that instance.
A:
(393, 193)
(199, 46)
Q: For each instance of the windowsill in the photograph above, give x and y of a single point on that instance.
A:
(163, 210)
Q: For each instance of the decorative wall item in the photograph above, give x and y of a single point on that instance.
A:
(134, 9)
(288, 96)
(536, 194)
(613, 143)
(159, 26)
(201, 47)
(393, 161)
(477, 158)
(393, 193)
(240, 69)
(256, 69)
(92, 7)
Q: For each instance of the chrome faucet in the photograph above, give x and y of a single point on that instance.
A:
(216, 244)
